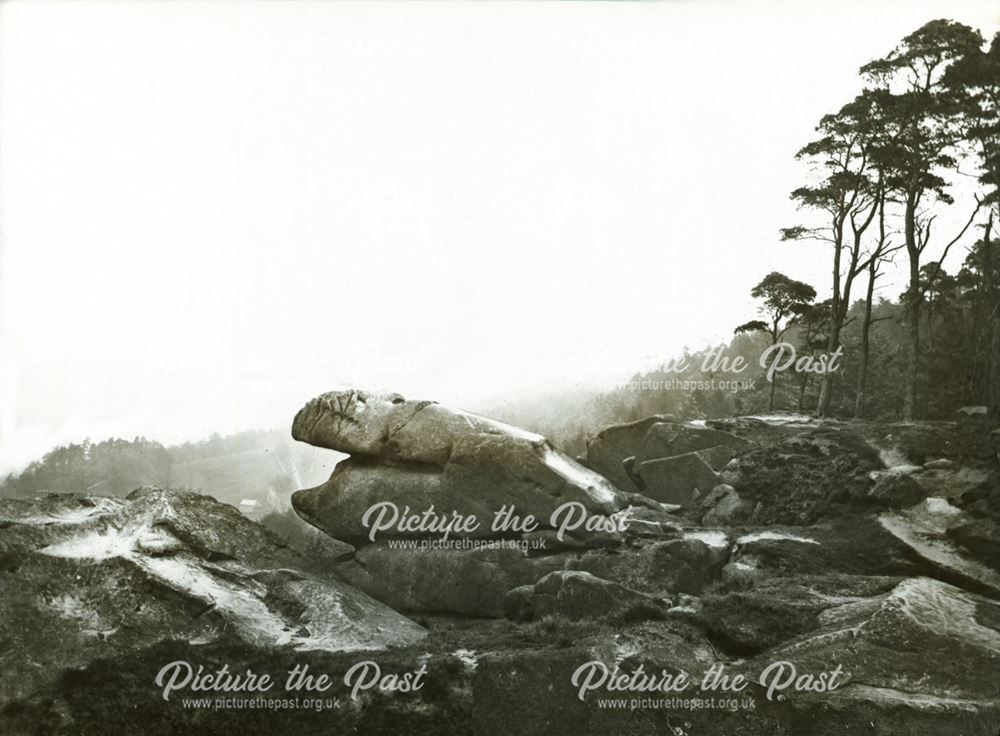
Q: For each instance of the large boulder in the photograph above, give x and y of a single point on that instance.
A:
(718, 457)
(897, 490)
(905, 655)
(954, 482)
(978, 537)
(856, 546)
(968, 438)
(619, 450)
(911, 650)
(392, 427)
(85, 577)
(418, 454)
(680, 480)
(607, 452)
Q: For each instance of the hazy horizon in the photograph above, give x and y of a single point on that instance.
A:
(212, 212)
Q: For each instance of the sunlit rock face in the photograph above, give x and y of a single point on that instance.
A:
(85, 577)
(418, 453)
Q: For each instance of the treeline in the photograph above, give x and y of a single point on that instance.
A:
(262, 465)
(881, 181)
(955, 339)
(957, 327)
(112, 467)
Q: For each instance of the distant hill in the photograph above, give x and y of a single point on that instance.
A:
(255, 470)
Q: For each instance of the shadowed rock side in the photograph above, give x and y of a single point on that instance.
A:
(418, 454)
(84, 577)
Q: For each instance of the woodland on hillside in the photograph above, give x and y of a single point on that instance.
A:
(884, 182)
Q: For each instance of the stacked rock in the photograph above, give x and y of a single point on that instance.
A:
(420, 473)
(424, 464)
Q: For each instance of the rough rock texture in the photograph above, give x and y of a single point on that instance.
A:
(978, 537)
(653, 438)
(608, 450)
(952, 482)
(904, 600)
(390, 426)
(418, 453)
(969, 439)
(84, 577)
(575, 594)
(724, 506)
(811, 474)
(855, 546)
(912, 647)
(897, 491)
(681, 479)
(931, 530)
(474, 581)
(718, 457)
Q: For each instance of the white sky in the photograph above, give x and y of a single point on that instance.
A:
(212, 211)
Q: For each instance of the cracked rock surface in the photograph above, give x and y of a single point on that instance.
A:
(85, 577)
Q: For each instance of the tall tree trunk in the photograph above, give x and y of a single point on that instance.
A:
(930, 325)
(826, 387)
(775, 334)
(866, 325)
(993, 317)
(912, 311)
(842, 304)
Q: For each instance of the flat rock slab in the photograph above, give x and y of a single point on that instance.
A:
(678, 480)
(924, 528)
(607, 451)
(655, 437)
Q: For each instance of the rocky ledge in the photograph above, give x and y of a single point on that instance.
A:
(749, 539)
(846, 552)
(89, 576)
